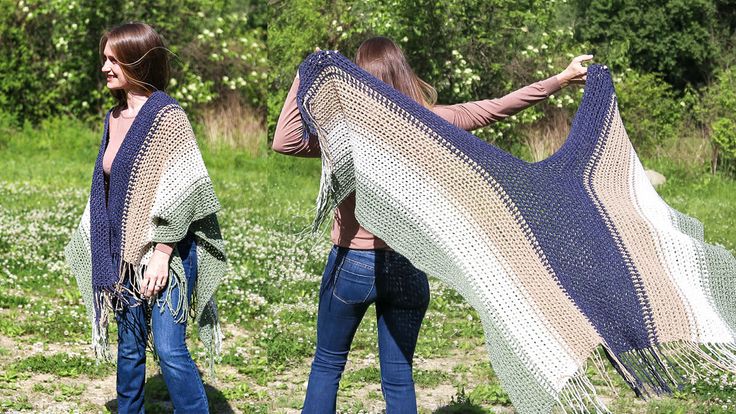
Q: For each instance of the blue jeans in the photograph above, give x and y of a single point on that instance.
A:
(353, 279)
(179, 372)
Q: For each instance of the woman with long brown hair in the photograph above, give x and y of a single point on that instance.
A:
(149, 238)
(361, 269)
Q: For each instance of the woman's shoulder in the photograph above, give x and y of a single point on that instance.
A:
(160, 100)
(162, 106)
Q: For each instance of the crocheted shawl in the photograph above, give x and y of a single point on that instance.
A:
(561, 258)
(159, 190)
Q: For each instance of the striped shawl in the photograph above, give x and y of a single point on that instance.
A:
(567, 260)
(159, 190)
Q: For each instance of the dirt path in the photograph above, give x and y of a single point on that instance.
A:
(48, 393)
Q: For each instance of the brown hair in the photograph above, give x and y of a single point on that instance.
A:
(382, 58)
(141, 54)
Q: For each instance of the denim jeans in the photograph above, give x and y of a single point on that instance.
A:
(353, 279)
(179, 372)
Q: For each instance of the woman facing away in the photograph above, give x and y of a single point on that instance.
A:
(148, 247)
(361, 269)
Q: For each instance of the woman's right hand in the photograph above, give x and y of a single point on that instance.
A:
(575, 72)
(156, 275)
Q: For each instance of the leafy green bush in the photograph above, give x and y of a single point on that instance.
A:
(467, 49)
(50, 63)
(724, 139)
(718, 112)
(649, 109)
(673, 38)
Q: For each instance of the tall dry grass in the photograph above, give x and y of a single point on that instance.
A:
(230, 123)
(690, 151)
(545, 137)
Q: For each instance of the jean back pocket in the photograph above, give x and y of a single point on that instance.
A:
(354, 282)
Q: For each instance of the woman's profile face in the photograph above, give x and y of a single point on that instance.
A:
(111, 68)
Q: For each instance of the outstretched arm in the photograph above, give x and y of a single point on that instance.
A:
(477, 114)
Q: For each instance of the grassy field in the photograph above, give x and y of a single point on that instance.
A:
(268, 300)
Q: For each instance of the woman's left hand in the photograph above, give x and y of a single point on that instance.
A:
(575, 72)
(157, 274)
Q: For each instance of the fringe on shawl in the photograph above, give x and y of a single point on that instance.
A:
(326, 202)
(657, 370)
(115, 300)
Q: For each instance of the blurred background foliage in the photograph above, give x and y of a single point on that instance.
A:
(672, 62)
(50, 65)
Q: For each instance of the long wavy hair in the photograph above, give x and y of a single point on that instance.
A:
(142, 56)
(382, 58)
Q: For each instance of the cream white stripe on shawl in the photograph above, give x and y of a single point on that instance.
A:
(175, 186)
(476, 198)
(84, 224)
(451, 223)
(680, 252)
(174, 183)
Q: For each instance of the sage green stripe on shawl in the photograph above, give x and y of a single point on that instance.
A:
(688, 225)
(721, 283)
(77, 254)
(211, 267)
(371, 209)
(506, 362)
(719, 265)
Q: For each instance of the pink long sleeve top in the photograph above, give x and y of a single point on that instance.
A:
(346, 231)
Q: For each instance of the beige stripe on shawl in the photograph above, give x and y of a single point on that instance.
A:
(476, 197)
(668, 314)
(145, 178)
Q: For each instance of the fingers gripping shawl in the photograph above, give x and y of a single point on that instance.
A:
(159, 191)
(558, 257)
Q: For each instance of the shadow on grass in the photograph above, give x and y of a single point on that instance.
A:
(461, 407)
(157, 400)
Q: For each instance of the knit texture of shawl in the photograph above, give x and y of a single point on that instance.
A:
(159, 190)
(565, 259)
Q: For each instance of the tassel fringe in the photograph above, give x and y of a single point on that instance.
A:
(656, 370)
(121, 296)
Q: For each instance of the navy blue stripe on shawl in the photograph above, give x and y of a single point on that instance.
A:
(550, 196)
(106, 216)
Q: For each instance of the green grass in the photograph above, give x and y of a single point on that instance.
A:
(269, 299)
(709, 198)
(63, 365)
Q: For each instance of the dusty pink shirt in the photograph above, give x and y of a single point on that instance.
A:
(346, 231)
(118, 127)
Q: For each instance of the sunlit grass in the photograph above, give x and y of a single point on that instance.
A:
(268, 300)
